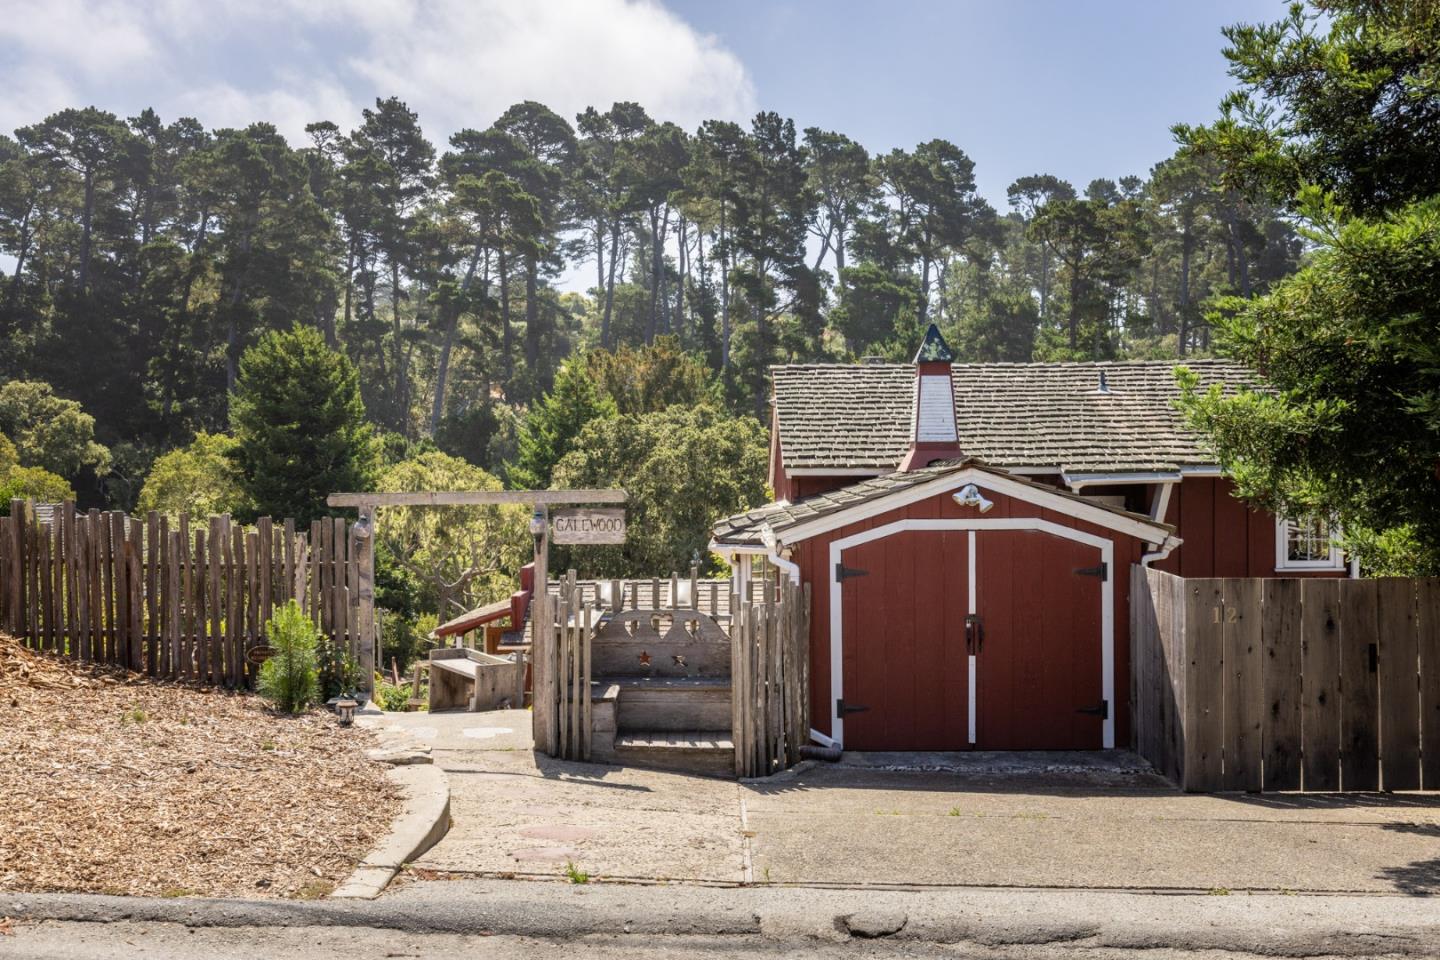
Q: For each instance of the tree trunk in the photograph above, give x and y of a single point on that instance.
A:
(23, 250)
(681, 262)
(924, 290)
(452, 324)
(1242, 260)
(609, 284)
(1074, 320)
(86, 215)
(532, 317)
(942, 274)
(402, 376)
(662, 277)
(600, 256)
(349, 277)
(724, 293)
(656, 262)
(507, 335)
(232, 333)
(1044, 283)
(1186, 242)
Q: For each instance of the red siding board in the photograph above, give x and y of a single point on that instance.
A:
(1230, 530)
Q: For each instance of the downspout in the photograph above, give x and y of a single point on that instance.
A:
(1158, 509)
(790, 567)
(1166, 548)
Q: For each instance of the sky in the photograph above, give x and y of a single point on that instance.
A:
(1078, 88)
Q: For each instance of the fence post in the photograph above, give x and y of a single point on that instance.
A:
(364, 532)
(16, 617)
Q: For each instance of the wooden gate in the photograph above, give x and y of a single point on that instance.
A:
(1287, 684)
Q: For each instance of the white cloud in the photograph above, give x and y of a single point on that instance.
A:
(298, 101)
(96, 40)
(458, 63)
(476, 58)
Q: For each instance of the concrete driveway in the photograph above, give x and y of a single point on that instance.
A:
(1081, 821)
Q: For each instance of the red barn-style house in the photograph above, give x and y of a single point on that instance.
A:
(968, 531)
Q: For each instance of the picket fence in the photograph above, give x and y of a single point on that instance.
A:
(770, 679)
(178, 600)
(1312, 684)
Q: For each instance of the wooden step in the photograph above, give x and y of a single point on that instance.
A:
(672, 703)
(707, 752)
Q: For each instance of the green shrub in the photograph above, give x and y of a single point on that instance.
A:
(339, 669)
(291, 677)
(32, 483)
(391, 697)
(200, 479)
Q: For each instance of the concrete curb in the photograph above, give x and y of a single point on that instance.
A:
(423, 821)
(1092, 922)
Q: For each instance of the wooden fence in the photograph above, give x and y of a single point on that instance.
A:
(564, 655)
(768, 665)
(564, 681)
(770, 679)
(1287, 684)
(183, 601)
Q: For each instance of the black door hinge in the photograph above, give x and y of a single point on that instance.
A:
(1101, 710)
(843, 572)
(1102, 571)
(842, 708)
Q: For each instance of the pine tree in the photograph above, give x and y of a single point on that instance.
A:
(555, 422)
(300, 425)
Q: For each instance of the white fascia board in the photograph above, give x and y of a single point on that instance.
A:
(1077, 480)
(735, 549)
(1203, 470)
(1019, 490)
(839, 471)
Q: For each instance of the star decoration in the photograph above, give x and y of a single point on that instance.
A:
(679, 660)
(644, 658)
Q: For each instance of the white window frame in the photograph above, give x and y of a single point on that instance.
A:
(1335, 561)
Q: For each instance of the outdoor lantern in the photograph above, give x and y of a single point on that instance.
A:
(346, 709)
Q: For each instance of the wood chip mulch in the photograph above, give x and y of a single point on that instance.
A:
(114, 783)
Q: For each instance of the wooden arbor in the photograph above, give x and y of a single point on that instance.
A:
(540, 501)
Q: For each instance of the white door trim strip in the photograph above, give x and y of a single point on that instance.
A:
(972, 610)
(1107, 601)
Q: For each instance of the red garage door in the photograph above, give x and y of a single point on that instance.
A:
(1013, 615)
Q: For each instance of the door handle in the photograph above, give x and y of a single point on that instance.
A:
(974, 634)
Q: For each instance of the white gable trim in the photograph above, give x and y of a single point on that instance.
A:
(1019, 490)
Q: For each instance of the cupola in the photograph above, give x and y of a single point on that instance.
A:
(935, 436)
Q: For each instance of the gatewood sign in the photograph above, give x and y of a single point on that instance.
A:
(588, 525)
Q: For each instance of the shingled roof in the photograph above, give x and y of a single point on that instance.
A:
(749, 529)
(849, 416)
